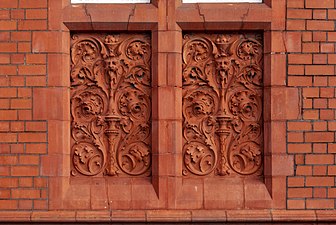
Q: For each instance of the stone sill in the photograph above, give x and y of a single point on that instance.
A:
(171, 216)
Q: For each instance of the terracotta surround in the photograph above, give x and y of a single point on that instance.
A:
(297, 146)
(166, 188)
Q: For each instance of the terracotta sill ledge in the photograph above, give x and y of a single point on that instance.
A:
(171, 216)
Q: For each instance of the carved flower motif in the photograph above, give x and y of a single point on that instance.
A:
(248, 50)
(136, 50)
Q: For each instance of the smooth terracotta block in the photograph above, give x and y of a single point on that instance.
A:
(69, 216)
(128, 216)
(248, 215)
(223, 194)
(293, 215)
(282, 98)
(190, 194)
(168, 216)
(58, 70)
(120, 194)
(57, 98)
(93, 216)
(208, 216)
(41, 42)
(256, 195)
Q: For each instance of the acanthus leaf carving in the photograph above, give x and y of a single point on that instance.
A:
(222, 104)
(110, 104)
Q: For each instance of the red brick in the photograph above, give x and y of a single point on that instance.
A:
(327, 92)
(32, 137)
(304, 171)
(310, 47)
(24, 47)
(36, 14)
(320, 81)
(33, 4)
(319, 181)
(4, 36)
(320, 103)
(26, 182)
(300, 59)
(310, 114)
(8, 204)
(299, 148)
(300, 192)
(299, 81)
(296, 70)
(319, 159)
(320, 126)
(7, 159)
(296, 204)
(4, 58)
(8, 4)
(24, 92)
(299, 13)
(7, 70)
(307, 36)
(36, 148)
(29, 160)
(327, 47)
(7, 25)
(25, 114)
(4, 126)
(25, 193)
(36, 81)
(320, 70)
(17, 126)
(331, 192)
(8, 137)
(319, 14)
(326, 114)
(310, 92)
(320, 204)
(21, 36)
(320, 25)
(331, 148)
(296, 182)
(296, 24)
(8, 182)
(36, 58)
(319, 59)
(36, 126)
(17, 58)
(320, 4)
(32, 70)
(25, 204)
(17, 14)
(320, 193)
(319, 36)
(8, 47)
(319, 137)
(295, 4)
(294, 137)
(8, 92)
(331, 14)
(299, 126)
(21, 103)
(32, 25)
(4, 14)
(8, 115)
(5, 193)
(4, 170)
(332, 170)
(24, 171)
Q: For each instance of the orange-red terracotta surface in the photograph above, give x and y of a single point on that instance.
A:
(298, 174)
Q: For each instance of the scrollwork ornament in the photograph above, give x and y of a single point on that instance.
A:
(222, 108)
(110, 104)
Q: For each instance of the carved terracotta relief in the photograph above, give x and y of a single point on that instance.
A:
(110, 104)
(222, 104)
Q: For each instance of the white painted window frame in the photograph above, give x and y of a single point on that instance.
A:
(221, 1)
(148, 1)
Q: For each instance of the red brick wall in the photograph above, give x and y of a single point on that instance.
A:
(22, 139)
(311, 68)
(34, 148)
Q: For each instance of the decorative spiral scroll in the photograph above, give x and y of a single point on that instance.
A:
(110, 104)
(222, 104)
(87, 159)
